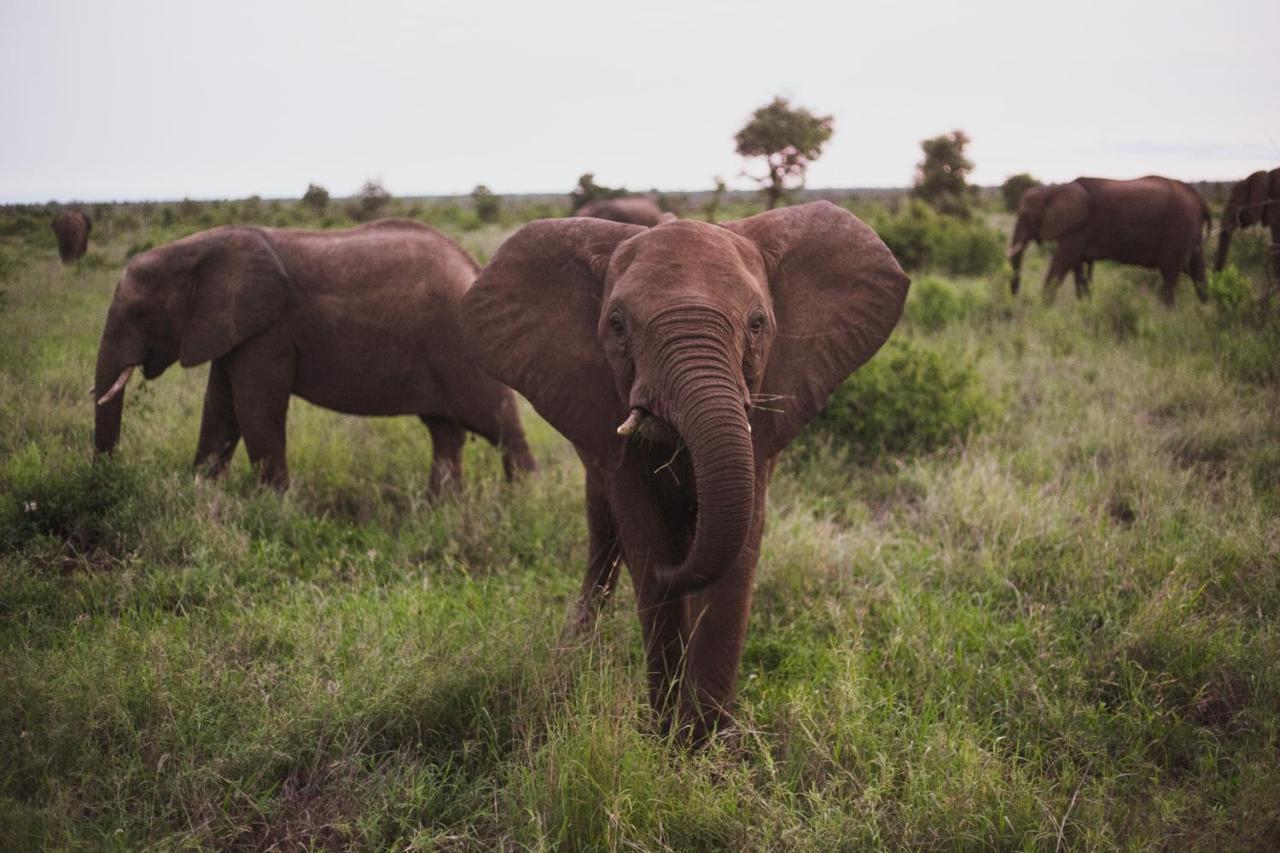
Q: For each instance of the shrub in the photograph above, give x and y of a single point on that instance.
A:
(1231, 294)
(920, 238)
(488, 207)
(316, 197)
(908, 399)
(1013, 187)
(934, 303)
(370, 202)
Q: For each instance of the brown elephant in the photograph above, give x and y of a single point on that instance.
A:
(364, 321)
(72, 228)
(1253, 201)
(1151, 222)
(634, 210)
(680, 360)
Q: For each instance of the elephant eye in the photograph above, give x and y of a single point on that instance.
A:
(756, 325)
(618, 326)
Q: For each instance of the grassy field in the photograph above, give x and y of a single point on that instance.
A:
(1059, 631)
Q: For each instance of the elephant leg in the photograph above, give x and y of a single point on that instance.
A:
(1196, 269)
(1081, 276)
(219, 430)
(1168, 283)
(662, 622)
(1059, 266)
(447, 441)
(604, 558)
(261, 373)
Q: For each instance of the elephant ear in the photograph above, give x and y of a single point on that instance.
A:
(531, 317)
(238, 287)
(837, 294)
(1067, 209)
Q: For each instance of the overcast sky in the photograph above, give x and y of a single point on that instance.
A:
(165, 99)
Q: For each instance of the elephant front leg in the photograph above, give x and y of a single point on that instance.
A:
(604, 559)
(448, 438)
(261, 374)
(219, 430)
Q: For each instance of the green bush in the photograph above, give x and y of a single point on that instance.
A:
(1253, 355)
(921, 238)
(908, 399)
(1231, 293)
(935, 303)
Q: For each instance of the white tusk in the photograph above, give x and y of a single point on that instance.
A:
(115, 389)
(631, 423)
(1015, 249)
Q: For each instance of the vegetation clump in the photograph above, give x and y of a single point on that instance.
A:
(788, 139)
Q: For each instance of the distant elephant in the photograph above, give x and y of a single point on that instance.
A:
(72, 228)
(364, 321)
(1253, 201)
(1151, 222)
(634, 210)
(680, 360)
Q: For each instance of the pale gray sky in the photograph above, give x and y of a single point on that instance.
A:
(166, 99)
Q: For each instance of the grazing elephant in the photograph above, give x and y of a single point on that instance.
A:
(72, 228)
(680, 360)
(1253, 201)
(633, 210)
(364, 321)
(1151, 222)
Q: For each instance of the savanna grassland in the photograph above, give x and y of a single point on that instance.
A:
(1020, 589)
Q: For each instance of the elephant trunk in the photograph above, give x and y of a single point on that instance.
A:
(116, 361)
(707, 409)
(1224, 244)
(1015, 259)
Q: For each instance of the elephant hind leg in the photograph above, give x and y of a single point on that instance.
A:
(1196, 269)
(219, 429)
(448, 437)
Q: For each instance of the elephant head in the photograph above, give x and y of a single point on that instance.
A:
(190, 301)
(632, 209)
(617, 331)
(1246, 205)
(1045, 213)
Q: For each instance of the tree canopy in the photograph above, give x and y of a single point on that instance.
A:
(788, 139)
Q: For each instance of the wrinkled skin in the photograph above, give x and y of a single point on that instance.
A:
(363, 321)
(680, 360)
(1253, 201)
(1150, 222)
(72, 228)
(635, 210)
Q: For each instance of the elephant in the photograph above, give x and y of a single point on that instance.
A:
(1151, 222)
(364, 321)
(72, 228)
(1253, 201)
(680, 360)
(633, 209)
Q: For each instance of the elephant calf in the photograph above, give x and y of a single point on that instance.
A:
(72, 228)
(680, 360)
(1253, 201)
(1150, 222)
(365, 321)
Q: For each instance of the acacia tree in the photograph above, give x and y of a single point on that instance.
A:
(316, 197)
(789, 139)
(588, 191)
(488, 206)
(941, 180)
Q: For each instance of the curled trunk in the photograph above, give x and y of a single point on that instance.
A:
(708, 413)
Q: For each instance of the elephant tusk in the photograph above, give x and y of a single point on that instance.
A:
(632, 423)
(115, 389)
(1015, 249)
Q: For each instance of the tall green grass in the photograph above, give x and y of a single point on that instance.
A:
(1056, 629)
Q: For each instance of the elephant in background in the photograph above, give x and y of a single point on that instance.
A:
(72, 228)
(365, 321)
(1253, 201)
(634, 210)
(1150, 222)
(680, 360)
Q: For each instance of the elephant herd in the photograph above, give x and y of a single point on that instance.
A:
(1151, 222)
(678, 357)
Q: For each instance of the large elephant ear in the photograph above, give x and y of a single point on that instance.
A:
(531, 317)
(238, 287)
(1067, 209)
(837, 294)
